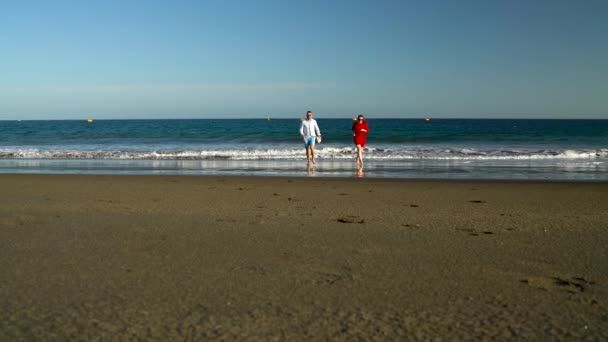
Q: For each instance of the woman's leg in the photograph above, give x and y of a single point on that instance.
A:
(359, 155)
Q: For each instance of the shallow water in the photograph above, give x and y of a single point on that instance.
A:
(459, 149)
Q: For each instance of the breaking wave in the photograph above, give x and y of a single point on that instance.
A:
(332, 153)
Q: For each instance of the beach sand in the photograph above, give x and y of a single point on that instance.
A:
(240, 258)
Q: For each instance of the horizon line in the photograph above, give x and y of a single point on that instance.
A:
(299, 118)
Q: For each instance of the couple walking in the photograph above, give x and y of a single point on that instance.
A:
(311, 134)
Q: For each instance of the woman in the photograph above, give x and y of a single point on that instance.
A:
(360, 131)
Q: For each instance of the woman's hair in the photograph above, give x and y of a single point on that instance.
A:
(360, 116)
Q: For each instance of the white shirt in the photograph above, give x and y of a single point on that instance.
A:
(309, 128)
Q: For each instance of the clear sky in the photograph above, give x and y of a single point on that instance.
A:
(237, 59)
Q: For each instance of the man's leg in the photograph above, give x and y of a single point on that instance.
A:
(308, 154)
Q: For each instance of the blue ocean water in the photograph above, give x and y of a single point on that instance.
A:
(397, 148)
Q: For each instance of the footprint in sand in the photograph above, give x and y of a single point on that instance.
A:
(351, 219)
(330, 278)
(331, 275)
(19, 220)
(477, 201)
(571, 285)
(474, 232)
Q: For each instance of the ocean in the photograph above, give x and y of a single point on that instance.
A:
(396, 148)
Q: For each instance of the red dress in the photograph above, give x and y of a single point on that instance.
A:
(360, 131)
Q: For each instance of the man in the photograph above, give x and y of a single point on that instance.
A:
(309, 132)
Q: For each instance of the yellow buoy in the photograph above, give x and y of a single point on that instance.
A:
(89, 120)
(427, 119)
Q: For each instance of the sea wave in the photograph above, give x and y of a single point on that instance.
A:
(333, 153)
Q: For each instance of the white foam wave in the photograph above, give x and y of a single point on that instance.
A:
(337, 153)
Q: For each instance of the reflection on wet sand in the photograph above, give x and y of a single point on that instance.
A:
(310, 169)
(359, 171)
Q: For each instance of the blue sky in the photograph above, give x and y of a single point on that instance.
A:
(238, 59)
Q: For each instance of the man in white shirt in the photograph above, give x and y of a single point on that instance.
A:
(309, 132)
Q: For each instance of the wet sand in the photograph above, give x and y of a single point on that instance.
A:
(195, 258)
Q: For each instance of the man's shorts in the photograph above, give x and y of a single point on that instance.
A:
(309, 141)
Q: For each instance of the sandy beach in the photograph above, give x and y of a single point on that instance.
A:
(240, 258)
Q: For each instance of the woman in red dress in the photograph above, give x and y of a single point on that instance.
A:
(360, 131)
